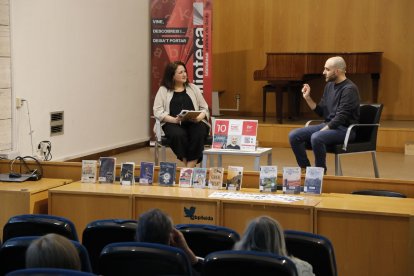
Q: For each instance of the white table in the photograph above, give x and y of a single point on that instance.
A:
(219, 152)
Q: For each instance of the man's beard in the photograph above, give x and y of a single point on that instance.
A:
(331, 78)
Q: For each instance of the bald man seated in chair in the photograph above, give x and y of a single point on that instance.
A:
(339, 107)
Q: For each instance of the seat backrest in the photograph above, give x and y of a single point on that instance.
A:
(140, 258)
(100, 233)
(47, 271)
(13, 254)
(39, 225)
(369, 114)
(379, 193)
(314, 249)
(233, 262)
(204, 238)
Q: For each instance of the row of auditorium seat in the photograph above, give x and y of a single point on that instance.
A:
(109, 246)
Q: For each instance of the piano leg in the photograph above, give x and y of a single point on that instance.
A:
(279, 104)
(268, 88)
(375, 81)
(264, 103)
(294, 95)
(278, 89)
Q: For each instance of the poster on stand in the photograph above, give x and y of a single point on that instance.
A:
(182, 30)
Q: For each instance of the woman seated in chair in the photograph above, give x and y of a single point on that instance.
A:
(177, 94)
(265, 234)
(52, 251)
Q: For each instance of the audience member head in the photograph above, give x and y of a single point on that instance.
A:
(52, 251)
(263, 234)
(154, 226)
(169, 72)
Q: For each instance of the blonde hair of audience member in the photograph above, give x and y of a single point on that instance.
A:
(155, 226)
(53, 251)
(265, 234)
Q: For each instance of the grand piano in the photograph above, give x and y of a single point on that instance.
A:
(288, 71)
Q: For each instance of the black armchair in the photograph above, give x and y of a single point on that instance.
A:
(39, 225)
(315, 249)
(48, 271)
(235, 262)
(140, 258)
(366, 137)
(100, 233)
(204, 238)
(13, 254)
(379, 193)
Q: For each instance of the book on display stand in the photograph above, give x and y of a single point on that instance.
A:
(313, 180)
(146, 173)
(107, 169)
(199, 178)
(234, 178)
(291, 180)
(215, 178)
(89, 171)
(167, 173)
(186, 175)
(127, 173)
(268, 179)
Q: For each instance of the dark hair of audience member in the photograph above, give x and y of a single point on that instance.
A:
(52, 251)
(154, 226)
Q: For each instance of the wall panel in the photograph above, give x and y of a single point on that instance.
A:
(245, 31)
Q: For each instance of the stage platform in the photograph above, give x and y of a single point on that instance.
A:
(392, 135)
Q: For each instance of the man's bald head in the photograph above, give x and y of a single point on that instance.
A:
(338, 63)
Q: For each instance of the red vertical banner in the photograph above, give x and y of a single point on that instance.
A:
(181, 30)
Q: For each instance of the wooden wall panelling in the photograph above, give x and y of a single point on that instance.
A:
(243, 33)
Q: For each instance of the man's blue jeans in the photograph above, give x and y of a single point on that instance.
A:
(318, 141)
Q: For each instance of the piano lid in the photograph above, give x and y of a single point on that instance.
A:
(294, 66)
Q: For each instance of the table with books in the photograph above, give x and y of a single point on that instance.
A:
(365, 230)
(28, 197)
(85, 202)
(257, 154)
(372, 235)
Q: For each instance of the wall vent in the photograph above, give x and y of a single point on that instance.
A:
(56, 123)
